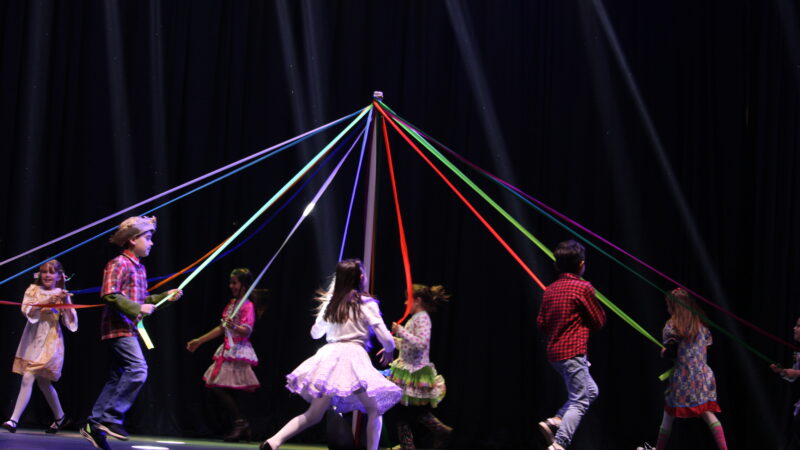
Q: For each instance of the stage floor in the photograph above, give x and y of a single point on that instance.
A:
(30, 439)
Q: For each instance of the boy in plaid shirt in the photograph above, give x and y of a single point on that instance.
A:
(569, 312)
(125, 293)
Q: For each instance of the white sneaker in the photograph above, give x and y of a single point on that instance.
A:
(555, 446)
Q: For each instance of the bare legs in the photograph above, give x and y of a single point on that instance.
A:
(315, 413)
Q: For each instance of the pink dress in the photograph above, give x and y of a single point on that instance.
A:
(235, 357)
(41, 347)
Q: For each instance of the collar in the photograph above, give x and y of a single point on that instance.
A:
(130, 255)
(569, 275)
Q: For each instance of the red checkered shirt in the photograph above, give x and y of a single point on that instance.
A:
(123, 275)
(568, 313)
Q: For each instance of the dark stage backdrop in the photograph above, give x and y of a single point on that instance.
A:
(669, 127)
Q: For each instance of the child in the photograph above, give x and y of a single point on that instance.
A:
(413, 371)
(40, 354)
(791, 375)
(692, 390)
(232, 368)
(569, 312)
(340, 374)
(125, 292)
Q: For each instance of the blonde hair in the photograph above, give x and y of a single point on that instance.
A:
(57, 268)
(685, 314)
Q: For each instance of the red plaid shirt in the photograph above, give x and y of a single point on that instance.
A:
(123, 275)
(568, 313)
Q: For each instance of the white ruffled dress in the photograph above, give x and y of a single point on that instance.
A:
(342, 368)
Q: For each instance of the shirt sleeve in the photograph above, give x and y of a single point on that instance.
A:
(417, 337)
(32, 313)
(112, 278)
(596, 314)
(320, 326)
(669, 334)
(371, 311)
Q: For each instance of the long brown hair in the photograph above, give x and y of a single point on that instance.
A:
(348, 285)
(686, 316)
(432, 296)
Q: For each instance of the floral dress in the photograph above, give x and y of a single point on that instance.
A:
(692, 388)
(412, 370)
(235, 357)
(41, 347)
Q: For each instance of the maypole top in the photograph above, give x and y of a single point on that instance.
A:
(377, 95)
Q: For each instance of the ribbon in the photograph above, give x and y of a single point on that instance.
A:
(400, 229)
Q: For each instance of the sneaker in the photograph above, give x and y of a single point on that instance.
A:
(95, 437)
(555, 446)
(114, 430)
(549, 428)
(646, 446)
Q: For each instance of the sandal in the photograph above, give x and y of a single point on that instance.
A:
(58, 425)
(10, 425)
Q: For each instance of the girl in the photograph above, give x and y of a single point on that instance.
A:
(40, 354)
(692, 390)
(340, 374)
(413, 371)
(791, 375)
(232, 368)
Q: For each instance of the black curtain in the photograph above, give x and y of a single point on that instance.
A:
(668, 127)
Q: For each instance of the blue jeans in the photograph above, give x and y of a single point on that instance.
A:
(581, 392)
(127, 374)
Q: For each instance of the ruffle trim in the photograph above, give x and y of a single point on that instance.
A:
(386, 396)
(422, 387)
(227, 358)
(686, 412)
(250, 388)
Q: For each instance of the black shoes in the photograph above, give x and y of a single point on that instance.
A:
(240, 432)
(97, 438)
(10, 425)
(114, 430)
(59, 424)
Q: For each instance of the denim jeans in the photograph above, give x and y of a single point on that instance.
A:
(581, 392)
(127, 374)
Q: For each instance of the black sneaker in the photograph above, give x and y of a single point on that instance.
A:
(114, 430)
(97, 438)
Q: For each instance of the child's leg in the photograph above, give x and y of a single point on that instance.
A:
(312, 416)
(51, 396)
(716, 429)
(581, 392)
(664, 431)
(374, 420)
(24, 396)
(228, 402)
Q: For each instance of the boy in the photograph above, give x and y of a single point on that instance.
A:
(568, 313)
(125, 292)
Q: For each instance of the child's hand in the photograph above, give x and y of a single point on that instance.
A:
(395, 326)
(386, 357)
(775, 368)
(148, 309)
(193, 344)
(175, 294)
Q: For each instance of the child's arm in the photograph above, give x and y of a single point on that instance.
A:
(595, 313)
(197, 342)
(787, 374)
(69, 317)
(419, 340)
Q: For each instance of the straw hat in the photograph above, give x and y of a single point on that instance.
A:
(132, 227)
